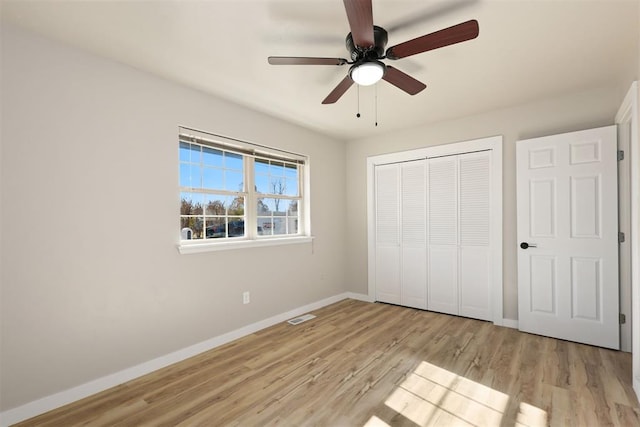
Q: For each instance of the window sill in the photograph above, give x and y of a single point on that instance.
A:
(195, 248)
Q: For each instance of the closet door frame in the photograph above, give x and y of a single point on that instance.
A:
(494, 144)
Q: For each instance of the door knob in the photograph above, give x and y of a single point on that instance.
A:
(525, 245)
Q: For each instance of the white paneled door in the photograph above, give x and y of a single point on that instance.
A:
(567, 204)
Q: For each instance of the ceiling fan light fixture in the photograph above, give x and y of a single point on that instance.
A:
(367, 73)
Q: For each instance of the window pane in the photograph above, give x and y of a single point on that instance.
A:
(185, 207)
(236, 206)
(215, 205)
(260, 229)
(265, 225)
(211, 157)
(215, 228)
(262, 208)
(212, 178)
(279, 226)
(262, 183)
(185, 152)
(276, 169)
(185, 175)
(187, 222)
(291, 171)
(233, 161)
(290, 207)
(191, 204)
(293, 208)
(196, 153)
(235, 227)
(195, 179)
(191, 225)
(197, 208)
(261, 166)
(266, 206)
(291, 187)
(292, 225)
(278, 185)
(277, 216)
(280, 206)
(233, 181)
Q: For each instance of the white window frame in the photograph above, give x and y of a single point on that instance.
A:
(250, 152)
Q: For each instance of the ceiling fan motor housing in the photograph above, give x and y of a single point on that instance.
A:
(360, 54)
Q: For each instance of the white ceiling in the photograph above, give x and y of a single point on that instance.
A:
(526, 50)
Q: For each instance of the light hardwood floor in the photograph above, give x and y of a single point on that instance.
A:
(362, 364)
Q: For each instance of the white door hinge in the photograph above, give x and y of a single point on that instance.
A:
(620, 237)
(623, 319)
(620, 155)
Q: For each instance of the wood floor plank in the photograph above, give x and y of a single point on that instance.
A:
(375, 365)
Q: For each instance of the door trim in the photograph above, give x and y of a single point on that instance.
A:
(493, 143)
(628, 113)
(624, 119)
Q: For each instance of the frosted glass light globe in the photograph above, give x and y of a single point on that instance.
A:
(367, 73)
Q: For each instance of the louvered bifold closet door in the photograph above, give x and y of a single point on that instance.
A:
(413, 234)
(442, 247)
(387, 222)
(474, 197)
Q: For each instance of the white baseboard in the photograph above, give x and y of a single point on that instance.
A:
(510, 323)
(65, 397)
(359, 297)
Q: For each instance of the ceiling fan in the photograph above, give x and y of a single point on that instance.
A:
(366, 44)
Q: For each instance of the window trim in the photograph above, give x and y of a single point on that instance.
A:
(237, 146)
(189, 247)
(251, 152)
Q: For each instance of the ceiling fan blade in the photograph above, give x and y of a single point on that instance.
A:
(448, 36)
(302, 60)
(431, 12)
(360, 16)
(403, 81)
(338, 91)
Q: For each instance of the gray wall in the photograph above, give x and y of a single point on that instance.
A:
(92, 282)
(572, 112)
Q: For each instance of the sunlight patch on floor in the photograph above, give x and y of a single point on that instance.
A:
(431, 395)
(376, 422)
(529, 415)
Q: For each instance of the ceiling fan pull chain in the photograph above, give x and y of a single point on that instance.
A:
(376, 105)
(358, 90)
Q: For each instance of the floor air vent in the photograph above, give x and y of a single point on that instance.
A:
(301, 319)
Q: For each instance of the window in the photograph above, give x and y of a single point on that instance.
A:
(277, 213)
(236, 191)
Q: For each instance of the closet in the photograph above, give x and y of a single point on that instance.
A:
(433, 246)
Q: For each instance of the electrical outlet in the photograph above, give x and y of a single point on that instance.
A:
(246, 297)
